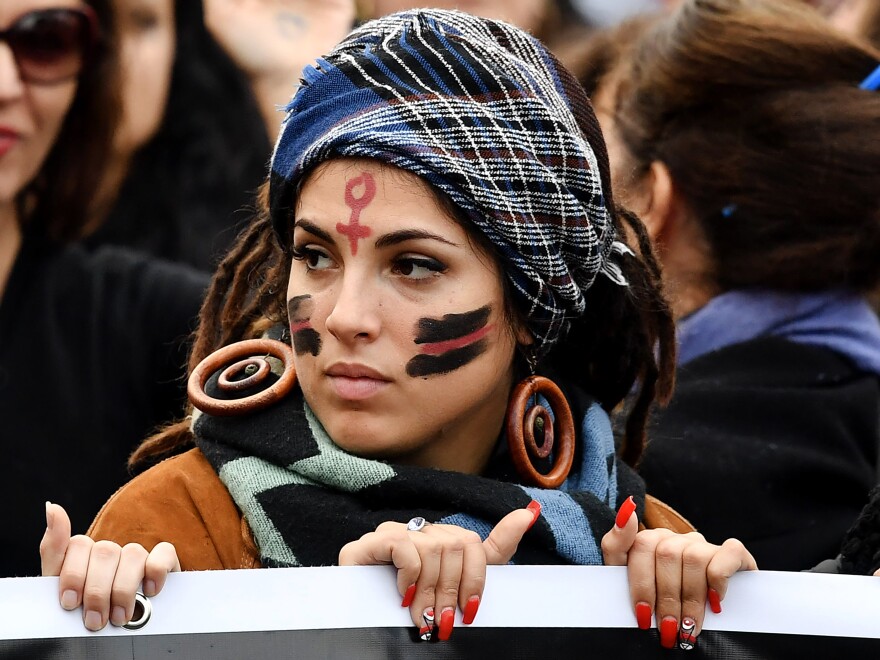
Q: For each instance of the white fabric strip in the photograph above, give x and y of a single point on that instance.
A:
(516, 596)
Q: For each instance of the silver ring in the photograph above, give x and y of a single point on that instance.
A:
(143, 609)
(416, 524)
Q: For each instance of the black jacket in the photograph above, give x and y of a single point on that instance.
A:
(92, 358)
(769, 441)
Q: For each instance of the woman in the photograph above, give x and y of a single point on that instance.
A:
(201, 93)
(437, 227)
(752, 158)
(91, 347)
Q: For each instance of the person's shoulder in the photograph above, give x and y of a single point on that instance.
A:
(182, 501)
(766, 361)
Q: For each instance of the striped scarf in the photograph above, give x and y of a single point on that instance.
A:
(482, 112)
(304, 497)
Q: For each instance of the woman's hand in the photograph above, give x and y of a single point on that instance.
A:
(441, 566)
(100, 575)
(672, 575)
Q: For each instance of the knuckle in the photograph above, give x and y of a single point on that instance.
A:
(696, 556)
(134, 551)
(470, 537)
(95, 595)
(454, 545)
(79, 542)
(388, 526)
(106, 550)
(734, 545)
(694, 536)
(449, 591)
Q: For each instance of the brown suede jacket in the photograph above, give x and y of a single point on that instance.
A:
(182, 500)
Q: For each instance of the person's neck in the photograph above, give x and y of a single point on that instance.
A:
(10, 242)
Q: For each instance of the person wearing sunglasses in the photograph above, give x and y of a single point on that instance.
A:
(91, 345)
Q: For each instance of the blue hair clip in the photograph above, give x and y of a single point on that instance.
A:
(872, 82)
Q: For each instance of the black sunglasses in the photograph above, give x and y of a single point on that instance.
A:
(52, 45)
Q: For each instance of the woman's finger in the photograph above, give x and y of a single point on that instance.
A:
(161, 561)
(393, 546)
(669, 553)
(129, 574)
(473, 578)
(422, 609)
(448, 579)
(731, 558)
(620, 538)
(72, 576)
(503, 540)
(694, 590)
(641, 574)
(53, 546)
(103, 562)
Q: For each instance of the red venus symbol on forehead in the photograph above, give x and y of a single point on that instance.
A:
(353, 230)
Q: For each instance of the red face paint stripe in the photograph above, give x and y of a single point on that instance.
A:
(300, 325)
(439, 347)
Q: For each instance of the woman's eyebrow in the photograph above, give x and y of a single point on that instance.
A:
(403, 235)
(314, 229)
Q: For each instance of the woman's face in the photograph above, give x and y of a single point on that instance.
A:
(398, 324)
(527, 14)
(31, 114)
(147, 36)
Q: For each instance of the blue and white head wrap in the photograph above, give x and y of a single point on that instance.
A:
(480, 110)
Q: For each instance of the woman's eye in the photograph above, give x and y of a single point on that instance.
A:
(314, 259)
(417, 268)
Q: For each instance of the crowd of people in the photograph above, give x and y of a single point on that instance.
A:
(539, 286)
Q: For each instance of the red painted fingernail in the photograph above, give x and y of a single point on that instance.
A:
(643, 615)
(470, 610)
(668, 632)
(535, 507)
(625, 512)
(686, 638)
(409, 595)
(447, 620)
(426, 630)
(714, 601)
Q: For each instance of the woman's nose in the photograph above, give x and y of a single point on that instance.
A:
(356, 311)
(11, 85)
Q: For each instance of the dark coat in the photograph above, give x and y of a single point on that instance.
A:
(92, 358)
(771, 442)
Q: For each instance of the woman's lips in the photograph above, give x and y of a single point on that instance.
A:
(356, 388)
(355, 382)
(8, 139)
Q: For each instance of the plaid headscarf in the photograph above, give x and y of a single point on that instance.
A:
(479, 110)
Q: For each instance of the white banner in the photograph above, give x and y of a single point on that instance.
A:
(200, 606)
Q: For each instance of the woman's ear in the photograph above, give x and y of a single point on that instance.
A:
(660, 203)
(523, 335)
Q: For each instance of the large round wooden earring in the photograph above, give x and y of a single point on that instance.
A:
(525, 428)
(244, 364)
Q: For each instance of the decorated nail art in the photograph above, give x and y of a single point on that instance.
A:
(686, 637)
(427, 630)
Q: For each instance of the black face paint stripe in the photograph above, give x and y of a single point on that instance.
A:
(434, 365)
(451, 326)
(305, 338)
